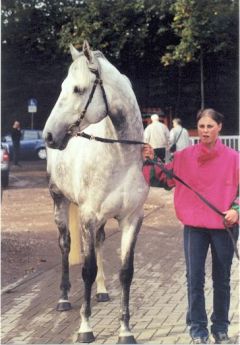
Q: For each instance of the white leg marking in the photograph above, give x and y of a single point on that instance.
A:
(85, 326)
(63, 300)
(100, 279)
(124, 332)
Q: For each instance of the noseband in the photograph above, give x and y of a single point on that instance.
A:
(97, 81)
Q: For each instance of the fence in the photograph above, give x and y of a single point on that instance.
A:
(229, 140)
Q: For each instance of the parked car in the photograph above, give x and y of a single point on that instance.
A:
(5, 165)
(32, 144)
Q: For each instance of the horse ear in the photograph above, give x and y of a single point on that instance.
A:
(74, 52)
(87, 51)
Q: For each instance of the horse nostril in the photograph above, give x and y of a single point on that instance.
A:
(49, 138)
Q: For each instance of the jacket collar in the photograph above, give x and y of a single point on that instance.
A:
(206, 154)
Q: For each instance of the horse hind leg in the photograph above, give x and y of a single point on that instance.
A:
(130, 229)
(89, 273)
(102, 294)
(61, 206)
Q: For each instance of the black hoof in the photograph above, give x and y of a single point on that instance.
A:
(64, 306)
(127, 340)
(87, 337)
(102, 297)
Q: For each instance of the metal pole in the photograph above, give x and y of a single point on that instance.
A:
(31, 120)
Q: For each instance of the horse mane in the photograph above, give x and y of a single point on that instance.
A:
(127, 79)
(81, 74)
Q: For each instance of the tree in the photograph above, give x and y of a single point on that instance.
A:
(133, 35)
(31, 58)
(202, 27)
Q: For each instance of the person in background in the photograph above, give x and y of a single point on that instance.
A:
(211, 169)
(16, 136)
(179, 135)
(157, 135)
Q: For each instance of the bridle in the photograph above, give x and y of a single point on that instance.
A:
(97, 81)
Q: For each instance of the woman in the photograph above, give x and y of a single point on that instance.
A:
(211, 169)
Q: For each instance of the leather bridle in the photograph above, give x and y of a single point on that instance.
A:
(97, 81)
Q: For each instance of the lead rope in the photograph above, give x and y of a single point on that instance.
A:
(170, 174)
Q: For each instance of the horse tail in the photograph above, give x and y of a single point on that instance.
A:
(75, 256)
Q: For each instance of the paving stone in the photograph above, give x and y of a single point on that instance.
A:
(158, 300)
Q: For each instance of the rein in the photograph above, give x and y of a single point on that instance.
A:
(170, 174)
(110, 141)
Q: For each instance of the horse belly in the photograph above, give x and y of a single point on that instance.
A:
(128, 196)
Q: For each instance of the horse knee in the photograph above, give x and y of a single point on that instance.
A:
(64, 241)
(61, 221)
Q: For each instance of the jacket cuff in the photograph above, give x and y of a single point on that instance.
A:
(235, 205)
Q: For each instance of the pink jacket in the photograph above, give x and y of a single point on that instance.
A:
(213, 173)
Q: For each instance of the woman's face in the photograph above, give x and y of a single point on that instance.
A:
(208, 130)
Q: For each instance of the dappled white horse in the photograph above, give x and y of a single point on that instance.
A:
(104, 179)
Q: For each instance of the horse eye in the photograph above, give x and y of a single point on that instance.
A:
(77, 90)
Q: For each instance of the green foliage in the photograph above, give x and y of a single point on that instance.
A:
(30, 28)
(113, 25)
(140, 37)
(205, 25)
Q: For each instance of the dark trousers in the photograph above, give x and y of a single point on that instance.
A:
(16, 153)
(160, 153)
(196, 244)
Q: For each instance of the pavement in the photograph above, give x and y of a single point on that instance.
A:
(158, 293)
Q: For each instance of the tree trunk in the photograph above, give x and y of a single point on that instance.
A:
(202, 80)
(179, 89)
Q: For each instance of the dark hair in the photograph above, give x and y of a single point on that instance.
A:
(215, 115)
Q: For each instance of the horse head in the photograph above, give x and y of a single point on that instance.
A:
(82, 100)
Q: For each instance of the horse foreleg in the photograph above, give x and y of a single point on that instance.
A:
(61, 205)
(102, 294)
(89, 273)
(130, 229)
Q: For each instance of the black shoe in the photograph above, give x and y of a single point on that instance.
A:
(200, 340)
(221, 338)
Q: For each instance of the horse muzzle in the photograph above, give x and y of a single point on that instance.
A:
(53, 144)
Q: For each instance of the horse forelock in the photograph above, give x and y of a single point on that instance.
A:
(80, 73)
(79, 69)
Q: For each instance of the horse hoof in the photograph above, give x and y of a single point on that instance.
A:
(64, 306)
(86, 337)
(127, 340)
(102, 297)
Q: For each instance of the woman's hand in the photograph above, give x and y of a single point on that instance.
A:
(231, 217)
(147, 152)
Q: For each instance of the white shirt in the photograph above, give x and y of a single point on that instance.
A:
(157, 135)
(183, 140)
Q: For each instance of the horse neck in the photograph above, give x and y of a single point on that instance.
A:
(123, 108)
(126, 126)
(126, 120)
